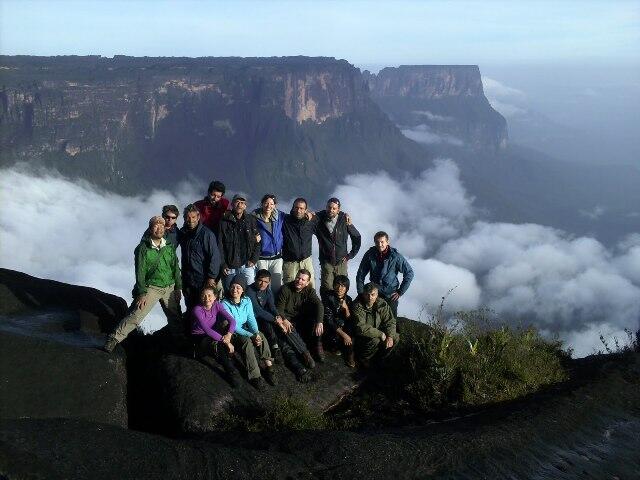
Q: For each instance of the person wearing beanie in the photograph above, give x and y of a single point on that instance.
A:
(247, 339)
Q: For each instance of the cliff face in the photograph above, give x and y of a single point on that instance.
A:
(259, 123)
(440, 103)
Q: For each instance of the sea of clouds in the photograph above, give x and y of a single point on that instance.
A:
(572, 287)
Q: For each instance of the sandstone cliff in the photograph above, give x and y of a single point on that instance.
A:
(440, 103)
(259, 123)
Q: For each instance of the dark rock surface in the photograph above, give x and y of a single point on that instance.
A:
(50, 365)
(196, 392)
(588, 428)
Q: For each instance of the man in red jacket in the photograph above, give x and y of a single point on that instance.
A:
(213, 206)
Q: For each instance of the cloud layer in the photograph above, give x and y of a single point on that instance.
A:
(573, 287)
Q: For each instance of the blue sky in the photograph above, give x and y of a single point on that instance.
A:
(362, 32)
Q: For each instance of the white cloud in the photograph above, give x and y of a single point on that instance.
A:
(423, 134)
(432, 116)
(509, 101)
(571, 287)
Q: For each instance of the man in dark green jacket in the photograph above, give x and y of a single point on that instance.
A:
(375, 326)
(157, 279)
(299, 306)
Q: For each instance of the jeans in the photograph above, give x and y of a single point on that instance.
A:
(249, 274)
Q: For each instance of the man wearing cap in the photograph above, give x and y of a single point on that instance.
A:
(239, 243)
(200, 259)
(213, 206)
(157, 280)
(332, 231)
(170, 214)
(383, 264)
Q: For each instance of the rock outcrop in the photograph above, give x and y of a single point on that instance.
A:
(261, 124)
(440, 104)
(50, 366)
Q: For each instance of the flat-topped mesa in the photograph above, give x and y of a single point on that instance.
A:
(115, 120)
(441, 103)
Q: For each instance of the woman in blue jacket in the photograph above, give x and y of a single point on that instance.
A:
(247, 339)
(270, 221)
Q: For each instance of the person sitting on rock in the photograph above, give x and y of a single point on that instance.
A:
(247, 339)
(281, 338)
(337, 318)
(299, 306)
(210, 318)
(374, 326)
(157, 280)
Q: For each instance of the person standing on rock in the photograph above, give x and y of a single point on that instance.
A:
(333, 231)
(299, 307)
(213, 206)
(248, 339)
(170, 214)
(337, 318)
(297, 231)
(239, 243)
(375, 326)
(383, 264)
(282, 337)
(270, 221)
(157, 280)
(200, 258)
(212, 329)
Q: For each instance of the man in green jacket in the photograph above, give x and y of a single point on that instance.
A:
(375, 326)
(157, 280)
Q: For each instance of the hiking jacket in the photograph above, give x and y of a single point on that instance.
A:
(246, 324)
(297, 235)
(263, 302)
(385, 272)
(333, 314)
(204, 321)
(271, 238)
(372, 322)
(155, 267)
(237, 240)
(200, 256)
(333, 245)
(210, 215)
(305, 303)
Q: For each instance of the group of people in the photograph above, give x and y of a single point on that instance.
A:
(247, 282)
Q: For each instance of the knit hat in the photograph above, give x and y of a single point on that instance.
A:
(239, 280)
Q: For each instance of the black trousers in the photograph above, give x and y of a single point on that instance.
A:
(291, 344)
(205, 346)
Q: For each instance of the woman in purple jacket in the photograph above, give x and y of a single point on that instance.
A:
(211, 330)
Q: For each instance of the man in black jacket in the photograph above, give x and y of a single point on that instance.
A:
(239, 243)
(297, 231)
(200, 258)
(332, 231)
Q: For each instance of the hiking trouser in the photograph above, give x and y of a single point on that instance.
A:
(274, 266)
(291, 269)
(366, 347)
(328, 272)
(205, 346)
(252, 355)
(170, 305)
(305, 328)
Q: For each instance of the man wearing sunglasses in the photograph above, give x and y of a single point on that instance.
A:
(170, 215)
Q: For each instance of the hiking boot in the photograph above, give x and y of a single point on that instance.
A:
(258, 384)
(110, 345)
(277, 355)
(320, 353)
(350, 359)
(307, 359)
(270, 376)
(304, 376)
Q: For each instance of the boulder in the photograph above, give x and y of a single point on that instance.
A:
(51, 366)
(196, 393)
